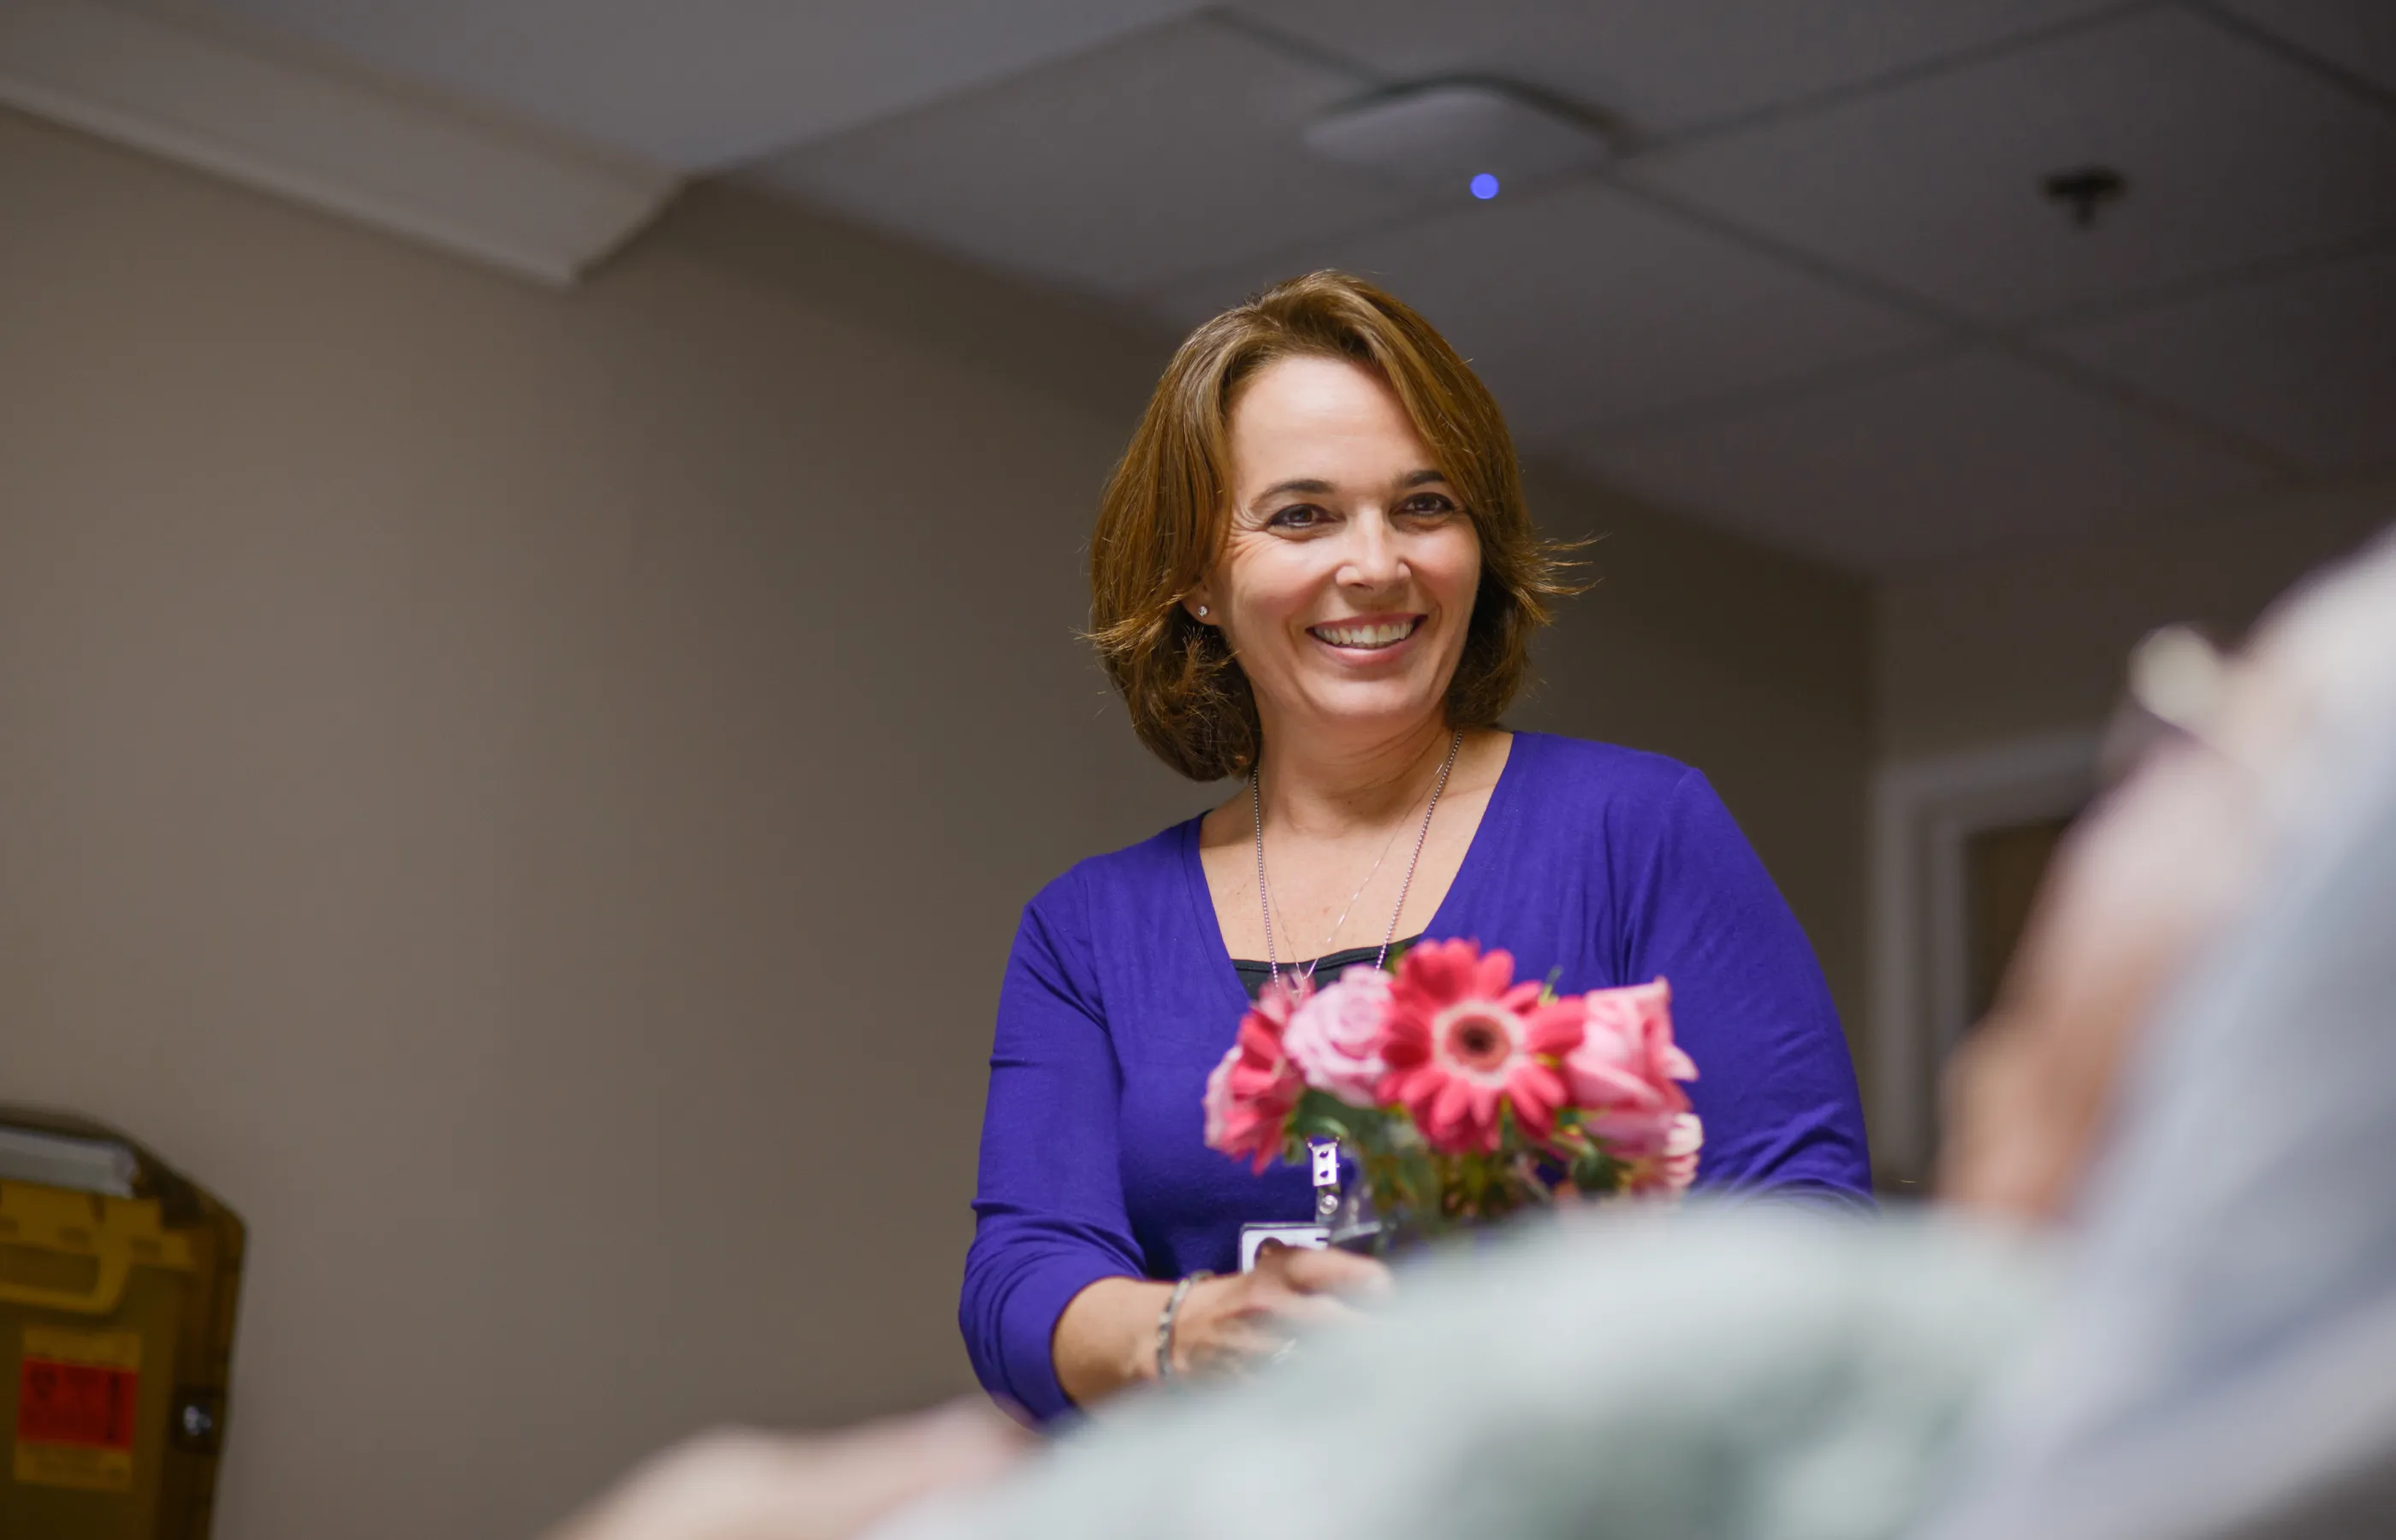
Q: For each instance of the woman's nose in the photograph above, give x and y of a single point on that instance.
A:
(1373, 557)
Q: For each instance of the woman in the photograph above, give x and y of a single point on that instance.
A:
(1313, 570)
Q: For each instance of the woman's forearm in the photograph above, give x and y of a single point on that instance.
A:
(1106, 1339)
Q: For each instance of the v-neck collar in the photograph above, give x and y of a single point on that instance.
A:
(1440, 926)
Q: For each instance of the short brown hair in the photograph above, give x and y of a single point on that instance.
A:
(1166, 515)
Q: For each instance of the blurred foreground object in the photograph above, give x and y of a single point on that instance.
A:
(745, 1485)
(2223, 1366)
(2229, 769)
(118, 1278)
(1757, 1371)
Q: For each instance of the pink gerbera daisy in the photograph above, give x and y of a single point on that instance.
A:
(1466, 1042)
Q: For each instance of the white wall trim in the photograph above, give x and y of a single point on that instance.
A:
(1923, 811)
(312, 132)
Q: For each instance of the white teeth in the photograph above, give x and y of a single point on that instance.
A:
(1366, 636)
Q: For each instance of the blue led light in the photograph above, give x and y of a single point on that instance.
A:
(1485, 187)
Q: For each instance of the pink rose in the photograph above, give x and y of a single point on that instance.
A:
(1625, 1073)
(1669, 1173)
(1335, 1039)
(1252, 1091)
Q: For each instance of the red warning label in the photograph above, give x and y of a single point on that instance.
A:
(78, 1394)
(77, 1403)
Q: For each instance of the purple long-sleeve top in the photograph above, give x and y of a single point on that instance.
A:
(1611, 865)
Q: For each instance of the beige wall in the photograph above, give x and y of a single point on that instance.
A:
(528, 793)
(2005, 649)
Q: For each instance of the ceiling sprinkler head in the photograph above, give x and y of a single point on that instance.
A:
(2085, 190)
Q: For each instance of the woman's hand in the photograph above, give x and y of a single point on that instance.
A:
(1106, 1339)
(1229, 1323)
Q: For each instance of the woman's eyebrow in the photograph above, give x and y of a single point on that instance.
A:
(1313, 485)
(1302, 483)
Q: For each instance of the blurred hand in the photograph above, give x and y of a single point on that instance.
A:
(741, 1486)
(2144, 877)
(1230, 1322)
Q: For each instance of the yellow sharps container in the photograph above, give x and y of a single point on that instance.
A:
(117, 1280)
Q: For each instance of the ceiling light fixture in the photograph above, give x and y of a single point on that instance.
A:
(1470, 134)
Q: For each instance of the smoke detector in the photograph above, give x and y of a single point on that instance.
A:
(1479, 138)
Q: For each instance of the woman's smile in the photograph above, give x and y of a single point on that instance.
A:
(1372, 637)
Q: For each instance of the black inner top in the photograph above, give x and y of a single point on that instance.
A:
(1253, 973)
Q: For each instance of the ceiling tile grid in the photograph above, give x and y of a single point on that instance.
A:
(2303, 360)
(1932, 187)
(1663, 69)
(1971, 453)
(698, 84)
(1820, 296)
(2356, 37)
(1118, 171)
(1609, 310)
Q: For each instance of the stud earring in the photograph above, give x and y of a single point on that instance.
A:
(1202, 612)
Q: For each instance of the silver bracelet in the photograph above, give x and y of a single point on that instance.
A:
(1167, 1315)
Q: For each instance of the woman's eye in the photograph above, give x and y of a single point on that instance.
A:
(1431, 503)
(1296, 516)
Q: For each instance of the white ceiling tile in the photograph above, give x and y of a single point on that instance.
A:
(1582, 305)
(1129, 148)
(2303, 361)
(2232, 155)
(1930, 463)
(2355, 35)
(698, 84)
(1118, 170)
(1661, 67)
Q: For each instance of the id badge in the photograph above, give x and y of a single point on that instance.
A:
(1253, 1237)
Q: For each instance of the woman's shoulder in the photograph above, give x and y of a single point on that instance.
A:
(1601, 780)
(1130, 877)
(1635, 805)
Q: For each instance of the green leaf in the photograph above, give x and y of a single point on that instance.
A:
(1321, 1115)
(1595, 1174)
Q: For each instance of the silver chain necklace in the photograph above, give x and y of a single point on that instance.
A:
(1264, 894)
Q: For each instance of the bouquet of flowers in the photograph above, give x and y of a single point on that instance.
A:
(1462, 1094)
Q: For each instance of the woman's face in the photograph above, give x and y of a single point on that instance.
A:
(1349, 573)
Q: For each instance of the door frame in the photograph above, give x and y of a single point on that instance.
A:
(1924, 812)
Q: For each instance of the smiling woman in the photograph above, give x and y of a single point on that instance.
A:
(1313, 569)
(1315, 392)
